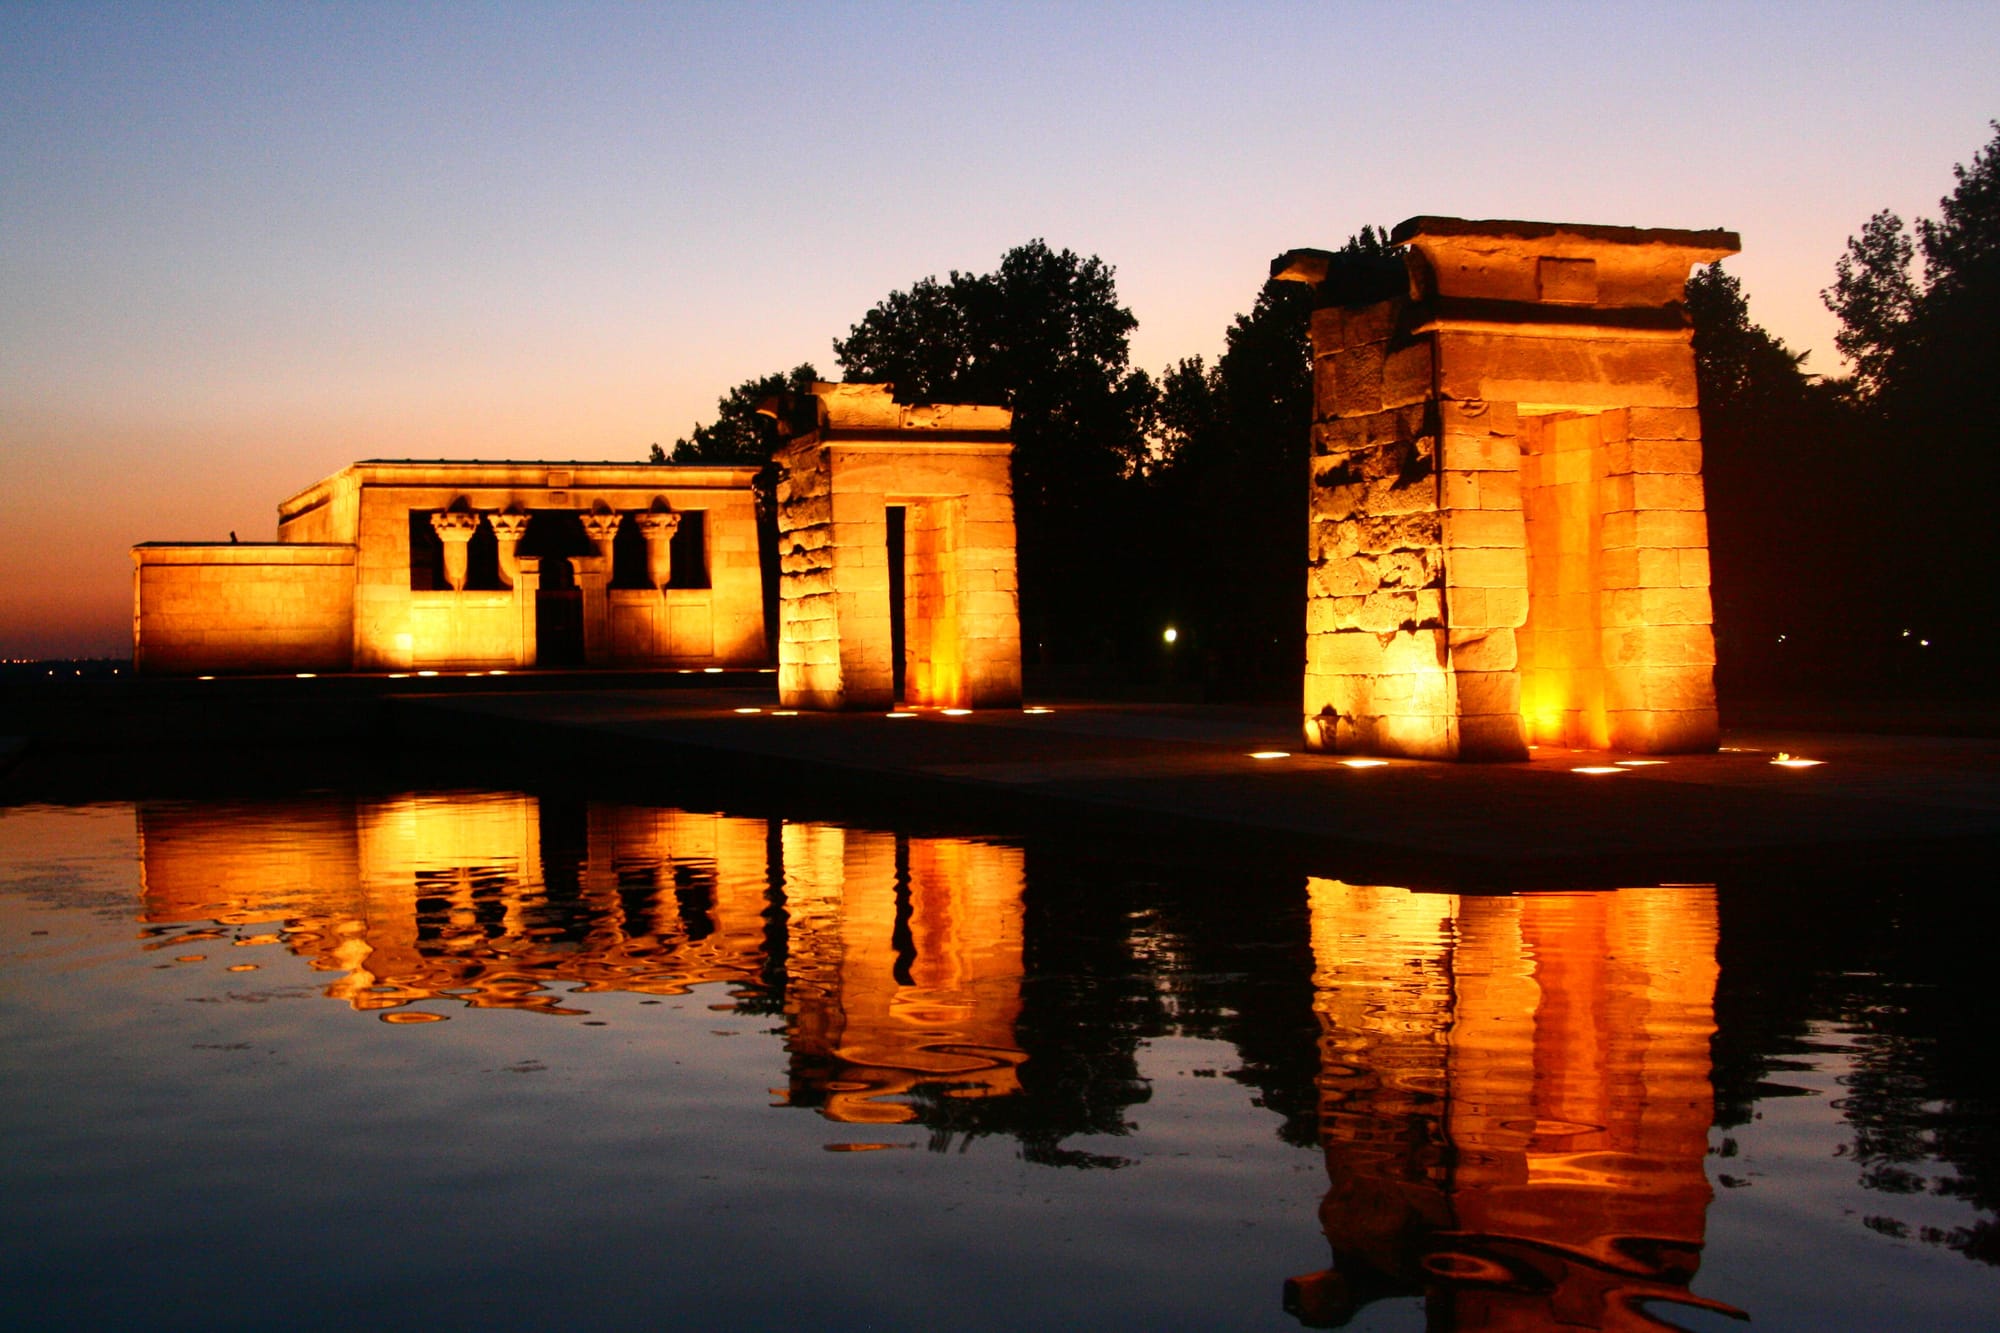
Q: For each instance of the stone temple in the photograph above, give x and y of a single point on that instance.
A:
(1508, 539)
(410, 565)
(1508, 544)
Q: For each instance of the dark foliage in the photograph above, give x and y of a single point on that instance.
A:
(1042, 334)
(1925, 347)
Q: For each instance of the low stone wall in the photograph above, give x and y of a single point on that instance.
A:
(207, 608)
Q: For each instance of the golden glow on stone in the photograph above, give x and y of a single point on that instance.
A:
(1548, 579)
(1598, 769)
(1364, 763)
(1794, 761)
(1270, 754)
(1553, 1049)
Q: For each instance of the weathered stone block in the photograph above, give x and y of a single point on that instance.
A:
(1357, 382)
(1486, 568)
(1480, 453)
(1666, 490)
(1492, 738)
(1471, 528)
(1665, 423)
(1407, 374)
(1344, 654)
(1487, 692)
(1674, 606)
(1483, 650)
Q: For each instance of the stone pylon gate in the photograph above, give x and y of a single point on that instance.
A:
(942, 472)
(1508, 539)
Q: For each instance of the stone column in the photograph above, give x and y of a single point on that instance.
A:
(659, 527)
(454, 528)
(527, 587)
(507, 530)
(601, 526)
(593, 577)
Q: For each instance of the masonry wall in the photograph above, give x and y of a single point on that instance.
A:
(1417, 569)
(1487, 574)
(207, 609)
(962, 638)
(808, 606)
(397, 628)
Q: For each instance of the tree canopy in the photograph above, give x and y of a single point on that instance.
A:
(1043, 334)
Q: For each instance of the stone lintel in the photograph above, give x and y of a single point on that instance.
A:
(1534, 319)
(1559, 263)
(872, 409)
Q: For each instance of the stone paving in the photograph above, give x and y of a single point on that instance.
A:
(1193, 768)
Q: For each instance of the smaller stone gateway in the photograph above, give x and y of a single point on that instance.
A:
(939, 624)
(1508, 538)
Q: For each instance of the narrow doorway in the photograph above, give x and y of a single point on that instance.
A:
(898, 613)
(1561, 661)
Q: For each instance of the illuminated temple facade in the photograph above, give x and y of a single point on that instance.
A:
(896, 555)
(405, 565)
(1508, 540)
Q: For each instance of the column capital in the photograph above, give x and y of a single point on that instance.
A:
(455, 525)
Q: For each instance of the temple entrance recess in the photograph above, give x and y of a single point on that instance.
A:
(945, 467)
(1508, 539)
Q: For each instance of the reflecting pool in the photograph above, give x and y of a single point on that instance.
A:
(529, 1058)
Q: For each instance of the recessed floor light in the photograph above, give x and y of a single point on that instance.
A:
(1270, 754)
(956, 712)
(900, 714)
(1598, 768)
(1038, 710)
(1365, 763)
(749, 710)
(1640, 763)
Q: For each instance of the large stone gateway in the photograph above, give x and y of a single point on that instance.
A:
(896, 522)
(1508, 540)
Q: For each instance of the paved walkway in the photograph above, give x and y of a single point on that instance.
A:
(1193, 768)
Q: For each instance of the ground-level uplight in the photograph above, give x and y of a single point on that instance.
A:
(900, 713)
(308, 675)
(1171, 634)
(956, 712)
(1640, 763)
(784, 712)
(1365, 763)
(749, 710)
(1270, 754)
(1595, 769)
(1794, 761)
(1038, 709)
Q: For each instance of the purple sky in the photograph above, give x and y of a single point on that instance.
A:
(244, 245)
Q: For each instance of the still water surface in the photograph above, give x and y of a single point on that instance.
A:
(454, 1057)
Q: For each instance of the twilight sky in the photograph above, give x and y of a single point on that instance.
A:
(244, 245)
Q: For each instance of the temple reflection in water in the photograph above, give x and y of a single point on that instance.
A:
(897, 959)
(1514, 1101)
(1512, 1094)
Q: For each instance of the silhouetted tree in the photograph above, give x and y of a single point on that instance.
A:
(1043, 334)
(739, 434)
(1235, 443)
(1924, 349)
(1787, 486)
